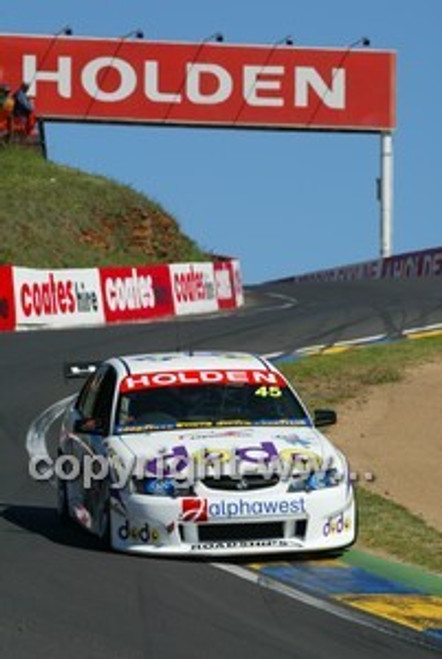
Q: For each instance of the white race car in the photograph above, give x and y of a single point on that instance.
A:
(201, 453)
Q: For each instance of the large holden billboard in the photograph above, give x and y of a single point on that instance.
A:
(208, 84)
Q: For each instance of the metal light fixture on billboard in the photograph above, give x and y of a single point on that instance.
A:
(363, 41)
(138, 34)
(66, 30)
(217, 37)
(287, 41)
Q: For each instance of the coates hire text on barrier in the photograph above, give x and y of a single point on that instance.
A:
(40, 298)
(212, 84)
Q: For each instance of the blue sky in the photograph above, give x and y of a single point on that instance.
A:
(282, 202)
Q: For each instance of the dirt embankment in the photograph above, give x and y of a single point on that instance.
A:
(395, 432)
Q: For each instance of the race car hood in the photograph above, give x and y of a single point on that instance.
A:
(242, 448)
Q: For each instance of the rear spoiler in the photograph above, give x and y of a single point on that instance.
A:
(79, 370)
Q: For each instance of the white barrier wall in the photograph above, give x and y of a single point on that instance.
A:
(59, 298)
(193, 288)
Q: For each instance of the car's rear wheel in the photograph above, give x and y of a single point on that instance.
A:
(62, 501)
(105, 527)
(106, 538)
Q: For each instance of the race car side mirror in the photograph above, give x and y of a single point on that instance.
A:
(89, 426)
(324, 418)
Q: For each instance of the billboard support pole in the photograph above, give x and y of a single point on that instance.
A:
(386, 194)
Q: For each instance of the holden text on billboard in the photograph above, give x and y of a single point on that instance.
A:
(207, 84)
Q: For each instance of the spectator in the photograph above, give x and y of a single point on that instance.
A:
(23, 112)
(6, 109)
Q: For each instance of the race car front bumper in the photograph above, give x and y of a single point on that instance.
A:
(229, 525)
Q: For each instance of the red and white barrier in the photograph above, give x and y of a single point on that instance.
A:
(136, 294)
(43, 298)
(193, 288)
(425, 263)
(7, 305)
(58, 298)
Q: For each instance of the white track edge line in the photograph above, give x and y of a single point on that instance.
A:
(338, 610)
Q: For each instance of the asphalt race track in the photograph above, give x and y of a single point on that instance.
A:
(61, 596)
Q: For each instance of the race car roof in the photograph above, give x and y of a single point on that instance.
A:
(181, 361)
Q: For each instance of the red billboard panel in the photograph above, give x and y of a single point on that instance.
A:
(7, 306)
(118, 80)
(225, 288)
(138, 293)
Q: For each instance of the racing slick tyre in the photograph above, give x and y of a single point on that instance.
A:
(106, 534)
(106, 538)
(62, 502)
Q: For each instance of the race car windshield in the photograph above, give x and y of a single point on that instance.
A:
(208, 406)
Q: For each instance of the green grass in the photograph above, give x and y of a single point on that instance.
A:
(324, 380)
(327, 380)
(388, 528)
(56, 216)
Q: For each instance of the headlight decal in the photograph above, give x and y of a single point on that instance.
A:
(316, 480)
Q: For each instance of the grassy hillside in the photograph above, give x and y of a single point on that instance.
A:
(54, 216)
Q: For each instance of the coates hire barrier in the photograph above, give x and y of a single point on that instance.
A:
(426, 263)
(31, 298)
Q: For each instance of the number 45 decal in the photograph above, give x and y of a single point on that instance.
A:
(273, 392)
